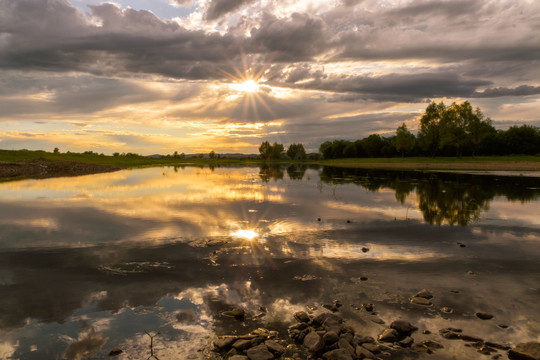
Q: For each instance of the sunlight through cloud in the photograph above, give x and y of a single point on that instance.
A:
(245, 234)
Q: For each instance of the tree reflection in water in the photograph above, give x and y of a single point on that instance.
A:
(452, 198)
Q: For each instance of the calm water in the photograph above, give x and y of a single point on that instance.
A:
(87, 264)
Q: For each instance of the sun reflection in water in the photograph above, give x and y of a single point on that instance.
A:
(245, 234)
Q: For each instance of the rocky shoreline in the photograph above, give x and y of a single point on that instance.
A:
(41, 168)
(327, 336)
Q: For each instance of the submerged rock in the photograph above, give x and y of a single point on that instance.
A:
(338, 354)
(259, 352)
(525, 351)
(417, 300)
(423, 294)
(389, 335)
(302, 316)
(115, 352)
(237, 313)
(403, 327)
(483, 315)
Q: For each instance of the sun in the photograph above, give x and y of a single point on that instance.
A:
(248, 86)
(245, 234)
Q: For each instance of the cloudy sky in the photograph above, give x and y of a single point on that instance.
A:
(158, 76)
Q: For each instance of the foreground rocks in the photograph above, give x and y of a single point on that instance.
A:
(327, 336)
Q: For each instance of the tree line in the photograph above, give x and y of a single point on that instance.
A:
(453, 130)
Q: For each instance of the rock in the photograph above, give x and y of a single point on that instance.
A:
(242, 344)
(420, 301)
(224, 342)
(313, 342)
(365, 249)
(237, 313)
(363, 353)
(331, 307)
(447, 310)
(348, 336)
(372, 347)
(503, 326)
(274, 347)
(344, 344)
(238, 357)
(330, 337)
(259, 352)
(483, 315)
(321, 318)
(115, 352)
(299, 326)
(472, 338)
(403, 327)
(525, 351)
(377, 320)
(486, 350)
(363, 278)
(302, 317)
(368, 307)
(423, 294)
(338, 354)
(497, 346)
(407, 342)
(449, 334)
(359, 340)
(389, 335)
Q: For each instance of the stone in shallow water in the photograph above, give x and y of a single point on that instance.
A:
(525, 351)
(420, 301)
(274, 347)
(403, 327)
(424, 294)
(302, 316)
(389, 335)
(338, 354)
(259, 352)
(313, 342)
(483, 315)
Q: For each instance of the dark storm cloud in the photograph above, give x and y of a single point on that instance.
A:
(219, 8)
(297, 38)
(394, 87)
(523, 90)
(128, 41)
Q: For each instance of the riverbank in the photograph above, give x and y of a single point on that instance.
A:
(41, 168)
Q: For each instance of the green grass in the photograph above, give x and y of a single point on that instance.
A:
(141, 161)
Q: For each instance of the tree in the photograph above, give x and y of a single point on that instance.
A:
(277, 151)
(56, 150)
(428, 136)
(212, 154)
(265, 150)
(271, 152)
(404, 140)
(296, 152)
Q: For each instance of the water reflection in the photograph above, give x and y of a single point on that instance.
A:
(88, 264)
(442, 197)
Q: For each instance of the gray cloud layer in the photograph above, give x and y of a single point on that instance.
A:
(53, 36)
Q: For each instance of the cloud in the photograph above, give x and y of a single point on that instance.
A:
(297, 38)
(523, 90)
(219, 8)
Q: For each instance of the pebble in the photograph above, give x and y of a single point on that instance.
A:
(483, 315)
(420, 301)
(424, 294)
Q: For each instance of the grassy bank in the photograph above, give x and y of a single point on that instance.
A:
(485, 163)
(496, 163)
